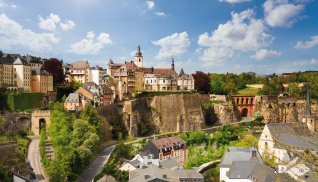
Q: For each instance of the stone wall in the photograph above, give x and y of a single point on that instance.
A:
(145, 116)
(282, 109)
(12, 122)
(226, 112)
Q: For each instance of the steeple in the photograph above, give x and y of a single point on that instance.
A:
(172, 64)
(139, 60)
(138, 52)
(181, 72)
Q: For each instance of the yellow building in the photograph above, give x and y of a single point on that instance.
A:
(139, 80)
(79, 72)
(42, 82)
(6, 72)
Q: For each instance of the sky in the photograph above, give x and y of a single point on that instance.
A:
(216, 36)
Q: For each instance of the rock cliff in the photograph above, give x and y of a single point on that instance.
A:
(166, 113)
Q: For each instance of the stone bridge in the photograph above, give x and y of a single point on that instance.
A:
(205, 166)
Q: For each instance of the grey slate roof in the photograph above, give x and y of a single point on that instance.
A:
(293, 135)
(251, 170)
(296, 141)
(155, 173)
(238, 154)
(72, 97)
(171, 163)
(6, 60)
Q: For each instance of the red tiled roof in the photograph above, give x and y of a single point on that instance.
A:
(164, 71)
(167, 142)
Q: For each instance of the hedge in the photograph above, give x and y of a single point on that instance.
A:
(24, 101)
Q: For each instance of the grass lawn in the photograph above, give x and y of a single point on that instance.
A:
(248, 92)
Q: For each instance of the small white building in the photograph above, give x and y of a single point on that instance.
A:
(185, 81)
(22, 74)
(97, 74)
(138, 161)
(233, 157)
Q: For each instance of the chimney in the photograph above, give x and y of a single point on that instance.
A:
(152, 69)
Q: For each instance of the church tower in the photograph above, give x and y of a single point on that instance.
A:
(139, 60)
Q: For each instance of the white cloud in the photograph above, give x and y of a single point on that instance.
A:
(90, 44)
(160, 13)
(150, 5)
(242, 33)
(308, 44)
(264, 53)
(49, 23)
(4, 4)
(67, 25)
(234, 1)
(305, 62)
(13, 35)
(216, 55)
(281, 13)
(172, 45)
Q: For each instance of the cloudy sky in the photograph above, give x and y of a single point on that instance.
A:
(220, 36)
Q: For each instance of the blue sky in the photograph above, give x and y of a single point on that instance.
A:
(209, 35)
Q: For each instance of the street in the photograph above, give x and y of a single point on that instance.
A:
(97, 165)
(35, 159)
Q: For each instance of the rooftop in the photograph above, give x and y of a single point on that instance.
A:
(239, 154)
(168, 142)
(72, 97)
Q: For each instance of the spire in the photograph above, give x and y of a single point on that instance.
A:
(181, 72)
(172, 64)
(110, 61)
(308, 111)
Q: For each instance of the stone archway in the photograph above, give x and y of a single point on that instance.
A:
(42, 124)
(40, 119)
(244, 112)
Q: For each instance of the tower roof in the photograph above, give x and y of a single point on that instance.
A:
(181, 72)
(138, 52)
(110, 61)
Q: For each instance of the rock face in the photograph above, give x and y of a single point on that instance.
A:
(179, 112)
(226, 111)
(144, 116)
(282, 109)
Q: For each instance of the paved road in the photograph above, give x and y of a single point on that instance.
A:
(96, 167)
(35, 159)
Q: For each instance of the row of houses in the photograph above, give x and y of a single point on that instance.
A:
(123, 79)
(132, 76)
(161, 160)
(89, 93)
(24, 74)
